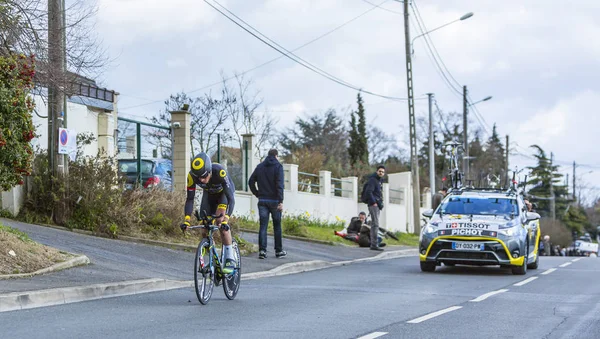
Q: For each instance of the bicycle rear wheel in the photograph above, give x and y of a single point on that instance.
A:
(203, 272)
(231, 282)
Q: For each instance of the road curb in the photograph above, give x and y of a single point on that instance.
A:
(77, 261)
(323, 242)
(313, 265)
(59, 296)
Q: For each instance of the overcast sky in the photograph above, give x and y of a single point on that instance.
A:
(539, 59)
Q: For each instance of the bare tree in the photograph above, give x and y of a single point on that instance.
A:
(381, 145)
(24, 29)
(209, 115)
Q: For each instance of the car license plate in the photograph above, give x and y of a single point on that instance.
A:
(468, 246)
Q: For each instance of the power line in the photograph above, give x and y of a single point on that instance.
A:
(427, 37)
(270, 61)
(289, 54)
(423, 31)
(385, 9)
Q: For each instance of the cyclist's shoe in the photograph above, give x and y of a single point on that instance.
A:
(229, 266)
(382, 244)
(280, 254)
(376, 248)
(262, 255)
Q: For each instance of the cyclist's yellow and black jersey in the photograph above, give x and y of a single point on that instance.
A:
(217, 192)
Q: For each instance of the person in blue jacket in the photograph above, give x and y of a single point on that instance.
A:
(268, 175)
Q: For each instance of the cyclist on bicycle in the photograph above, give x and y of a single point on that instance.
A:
(218, 198)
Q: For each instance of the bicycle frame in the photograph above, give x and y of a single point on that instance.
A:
(214, 257)
(456, 177)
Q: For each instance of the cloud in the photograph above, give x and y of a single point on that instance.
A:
(176, 63)
(135, 20)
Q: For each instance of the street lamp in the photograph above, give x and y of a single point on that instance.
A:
(484, 99)
(464, 17)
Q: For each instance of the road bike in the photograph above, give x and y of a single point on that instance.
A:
(456, 176)
(208, 264)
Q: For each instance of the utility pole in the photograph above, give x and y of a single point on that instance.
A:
(574, 168)
(507, 153)
(552, 198)
(465, 138)
(414, 162)
(431, 149)
(56, 85)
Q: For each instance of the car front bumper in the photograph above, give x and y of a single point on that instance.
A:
(497, 251)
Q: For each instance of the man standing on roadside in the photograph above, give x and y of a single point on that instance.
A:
(269, 177)
(372, 196)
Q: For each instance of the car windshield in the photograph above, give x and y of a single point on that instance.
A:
(480, 206)
(130, 166)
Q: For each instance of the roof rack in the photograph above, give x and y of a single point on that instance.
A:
(463, 189)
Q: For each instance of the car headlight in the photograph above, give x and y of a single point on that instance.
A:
(510, 228)
(509, 231)
(431, 228)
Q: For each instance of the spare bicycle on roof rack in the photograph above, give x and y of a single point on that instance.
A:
(456, 176)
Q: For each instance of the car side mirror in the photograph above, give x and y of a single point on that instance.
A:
(428, 213)
(531, 216)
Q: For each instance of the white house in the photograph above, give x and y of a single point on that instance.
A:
(92, 109)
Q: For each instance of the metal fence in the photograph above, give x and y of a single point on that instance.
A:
(336, 187)
(308, 182)
(144, 153)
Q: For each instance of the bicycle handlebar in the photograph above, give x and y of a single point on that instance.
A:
(205, 221)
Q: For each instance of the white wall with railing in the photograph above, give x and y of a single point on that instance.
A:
(333, 199)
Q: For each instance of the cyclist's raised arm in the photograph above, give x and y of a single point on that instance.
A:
(229, 190)
(191, 194)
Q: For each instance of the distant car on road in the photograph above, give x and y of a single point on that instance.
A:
(481, 227)
(155, 173)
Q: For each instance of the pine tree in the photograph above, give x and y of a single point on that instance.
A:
(363, 146)
(541, 176)
(352, 144)
(357, 146)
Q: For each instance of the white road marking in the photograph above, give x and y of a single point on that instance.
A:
(487, 295)
(565, 264)
(373, 335)
(434, 314)
(549, 271)
(526, 281)
(576, 260)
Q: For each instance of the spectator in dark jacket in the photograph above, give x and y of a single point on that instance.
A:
(372, 196)
(269, 177)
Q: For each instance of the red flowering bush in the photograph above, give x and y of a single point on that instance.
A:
(16, 126)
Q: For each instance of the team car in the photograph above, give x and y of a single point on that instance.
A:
(480, 227)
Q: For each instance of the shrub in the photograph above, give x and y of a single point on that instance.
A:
(16, 126)
(558, 232)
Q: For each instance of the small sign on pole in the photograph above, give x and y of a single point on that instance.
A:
(67, 142)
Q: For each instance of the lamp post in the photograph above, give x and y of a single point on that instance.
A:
(464, 17)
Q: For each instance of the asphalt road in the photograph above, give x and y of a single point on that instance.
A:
(115, 260)
(388, 299)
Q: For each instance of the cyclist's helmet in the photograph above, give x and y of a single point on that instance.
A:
(201, 165)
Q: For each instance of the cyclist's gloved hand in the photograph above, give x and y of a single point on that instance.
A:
(380, 204)
(186, 223)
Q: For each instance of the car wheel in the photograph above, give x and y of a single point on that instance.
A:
(522, 270)
(534, 265)
(427, 266)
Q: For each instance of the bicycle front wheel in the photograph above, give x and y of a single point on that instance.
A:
(231, 282)
(203, 272)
